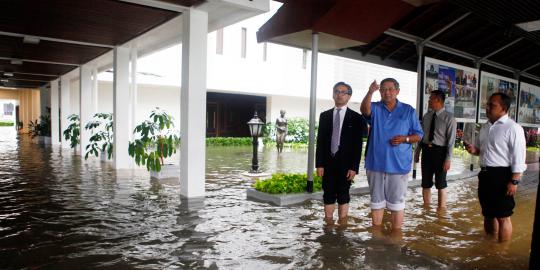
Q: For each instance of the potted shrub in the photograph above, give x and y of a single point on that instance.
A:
(101, 141)
(72, 132)
(41, 131)
(156, 140)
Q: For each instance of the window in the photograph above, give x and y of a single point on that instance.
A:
(244, 45)
(219, 41)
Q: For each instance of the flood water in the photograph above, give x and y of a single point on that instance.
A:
(60, 212)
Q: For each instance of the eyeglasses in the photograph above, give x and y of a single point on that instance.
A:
(386, 89)
(337, 92)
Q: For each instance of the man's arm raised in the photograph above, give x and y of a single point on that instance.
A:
(365, 107)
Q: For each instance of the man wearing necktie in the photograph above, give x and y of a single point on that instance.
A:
(339, 148)
(436, 148)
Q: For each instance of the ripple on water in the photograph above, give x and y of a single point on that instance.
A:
(58, 211)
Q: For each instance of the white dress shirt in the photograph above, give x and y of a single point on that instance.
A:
(341, 116)
(502, 144)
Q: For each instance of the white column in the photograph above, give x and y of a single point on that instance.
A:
(121, 107)
(133, 91)
(55, 116)
(193, 103)
(64, 108)
(85, 104)
(95, 90)
(312, 109)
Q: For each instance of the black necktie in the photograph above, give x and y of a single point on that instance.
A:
(432, 127)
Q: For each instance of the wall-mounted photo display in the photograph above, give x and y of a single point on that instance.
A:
(492, 83)
(529, 105)
(460, 83)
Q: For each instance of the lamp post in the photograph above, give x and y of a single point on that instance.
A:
(255, 129)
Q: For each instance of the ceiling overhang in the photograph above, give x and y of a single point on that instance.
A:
(339, 23)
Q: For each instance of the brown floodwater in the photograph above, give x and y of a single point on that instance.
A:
(60, 212)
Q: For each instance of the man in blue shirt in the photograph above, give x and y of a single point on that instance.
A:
(394, 128)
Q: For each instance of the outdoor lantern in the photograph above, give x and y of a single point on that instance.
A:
(255, 128)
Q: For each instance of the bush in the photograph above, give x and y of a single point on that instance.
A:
(228, 141)
(287, 183)
(532, 137)
(6, 123)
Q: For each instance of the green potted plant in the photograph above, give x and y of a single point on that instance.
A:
(156, 140)
(72, 132)
(101, 141)
(41, 131)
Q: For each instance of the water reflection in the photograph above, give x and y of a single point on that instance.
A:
(58, 211)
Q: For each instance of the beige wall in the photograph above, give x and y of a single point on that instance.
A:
(28, 101)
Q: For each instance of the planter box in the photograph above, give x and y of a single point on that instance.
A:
(168, 171)
(103, 156)
(282, 199)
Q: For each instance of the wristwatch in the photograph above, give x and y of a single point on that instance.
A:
(514, 182)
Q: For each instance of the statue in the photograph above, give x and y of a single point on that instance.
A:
(281, 131)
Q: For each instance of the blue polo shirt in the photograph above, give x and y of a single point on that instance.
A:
(381, 155)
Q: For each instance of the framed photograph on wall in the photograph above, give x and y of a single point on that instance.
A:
(492, 83)
(460, 83)
(529, 105)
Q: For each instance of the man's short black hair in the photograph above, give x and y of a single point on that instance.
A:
(439, 94)
(392, 80)
(505, 100)
(349, 88)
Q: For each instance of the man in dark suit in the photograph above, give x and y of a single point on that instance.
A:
(339, 147)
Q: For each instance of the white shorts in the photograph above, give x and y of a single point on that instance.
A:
(387, 190)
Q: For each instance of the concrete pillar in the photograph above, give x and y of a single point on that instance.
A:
(85, 105)
(55, 114)
(121, 159)
(95, 90)
(64, 108)
(193, 103)
(133, 91)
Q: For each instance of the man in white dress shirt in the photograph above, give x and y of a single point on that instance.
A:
(501, 146)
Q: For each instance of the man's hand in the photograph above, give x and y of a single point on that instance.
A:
(397, 140)
(320, 171)
(446, 165)
(511, 189)
(416, 156)
(373, 87)
(470, 148)
(350, 175)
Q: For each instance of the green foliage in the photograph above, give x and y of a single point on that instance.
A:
(157, 140)
(228, 141)
(41, 128)
(287, 183)
(6, 123)
(101, 128)
(73, 131)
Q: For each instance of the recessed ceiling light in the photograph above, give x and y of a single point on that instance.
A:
(529, 26)
(8, 74)
(30, 40)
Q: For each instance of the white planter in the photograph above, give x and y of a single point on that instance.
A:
(168, 171)
(103, 156)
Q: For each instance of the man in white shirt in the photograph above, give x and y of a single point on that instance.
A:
(501, 146)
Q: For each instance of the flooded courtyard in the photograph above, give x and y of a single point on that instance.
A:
(58, 211)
